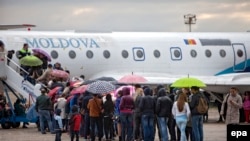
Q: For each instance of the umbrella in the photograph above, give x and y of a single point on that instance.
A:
(40, 51)
(131, 88)
(30, 60)
(54, 91)
(188, 82)
(69, 98)
(100, 87)
(60, 74)
(132, 79)
(76, 84)
(108, 79)
(79, 90)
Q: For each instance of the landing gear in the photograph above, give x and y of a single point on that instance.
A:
(6, 125)
(15, 124)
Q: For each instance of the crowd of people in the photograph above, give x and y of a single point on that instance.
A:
(129, 117)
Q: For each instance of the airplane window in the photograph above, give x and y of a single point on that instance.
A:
(106, 54)
(89, 54)
(54, 54)
(222, 53)
(193, 53)
(139, 54)
(157, 53)
(239, 52)
(72, 54)
(208, 53)
(125, 54)
(177, 53)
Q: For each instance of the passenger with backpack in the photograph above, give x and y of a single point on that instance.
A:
(198, 107)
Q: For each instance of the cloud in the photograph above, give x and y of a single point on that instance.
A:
(129, 15)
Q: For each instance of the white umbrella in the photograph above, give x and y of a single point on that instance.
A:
(100, 87)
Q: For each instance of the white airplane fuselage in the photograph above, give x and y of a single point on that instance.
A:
(218, 59)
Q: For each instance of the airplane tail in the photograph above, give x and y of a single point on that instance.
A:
(6, 27)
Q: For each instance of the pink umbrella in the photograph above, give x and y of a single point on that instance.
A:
(53, 91)
(132, 79)
(131, 88)
(44, 53)
(60, 74)
(79, 90)
(69, 98)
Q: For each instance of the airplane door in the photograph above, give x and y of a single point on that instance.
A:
(240, 57)
(138, 53)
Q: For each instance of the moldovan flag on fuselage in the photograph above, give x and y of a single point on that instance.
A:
(189, 41)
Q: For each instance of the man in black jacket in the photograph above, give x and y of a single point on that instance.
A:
(196, 117)
(163, 112)
(85, 112)
(147, 108)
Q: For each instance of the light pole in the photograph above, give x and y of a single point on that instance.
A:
(190, 19)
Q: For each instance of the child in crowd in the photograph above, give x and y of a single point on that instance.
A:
(58, 124)
(74, 123)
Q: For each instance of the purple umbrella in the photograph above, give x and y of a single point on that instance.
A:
(40, 51)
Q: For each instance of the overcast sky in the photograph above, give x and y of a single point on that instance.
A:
(128, 15)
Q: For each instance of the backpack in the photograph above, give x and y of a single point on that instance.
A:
(202, 106)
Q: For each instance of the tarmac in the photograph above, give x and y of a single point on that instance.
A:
(213, 131)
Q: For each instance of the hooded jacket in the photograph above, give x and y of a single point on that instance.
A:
(127, 103)
(163, 104)
(147, 104)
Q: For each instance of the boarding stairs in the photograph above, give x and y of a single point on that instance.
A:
(10, 76)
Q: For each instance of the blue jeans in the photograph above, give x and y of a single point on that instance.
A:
(148, 127)
(181, 122)
(127, 126)
(86, 125)
(45, 115)
(197, 127)
(162, 123)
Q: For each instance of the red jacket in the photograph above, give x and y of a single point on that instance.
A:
(75, 122)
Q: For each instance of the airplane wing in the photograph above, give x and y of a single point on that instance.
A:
(221, 83)
(6, 27)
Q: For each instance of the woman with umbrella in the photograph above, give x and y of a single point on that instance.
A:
(44, 56)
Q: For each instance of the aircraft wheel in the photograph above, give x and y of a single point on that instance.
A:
(6, 125)
(15, 124)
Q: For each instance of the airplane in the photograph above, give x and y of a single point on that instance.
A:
(220, 60)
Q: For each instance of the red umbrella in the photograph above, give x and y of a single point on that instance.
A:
(132, 79)
(79, 90)
(60, 74)
(69, 98)
(53, 91)
(75, 84)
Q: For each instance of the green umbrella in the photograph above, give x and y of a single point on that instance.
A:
(188, 82)
(30, 60)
